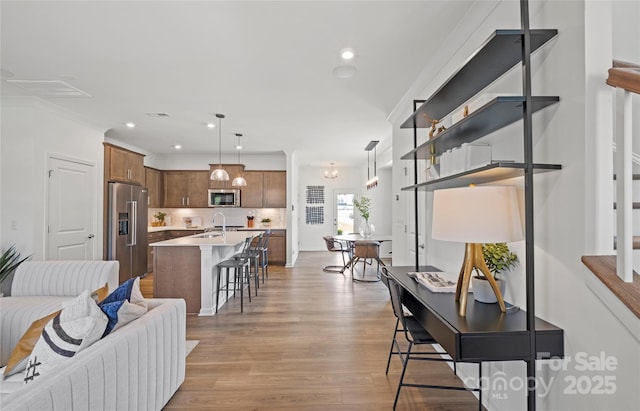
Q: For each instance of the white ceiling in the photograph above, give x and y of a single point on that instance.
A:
(266, 65)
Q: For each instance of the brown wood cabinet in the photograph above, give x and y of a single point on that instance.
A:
(153, 238)
(232, 169)
(251, 194)
(275, 189)
(122, 165)
(277, 252)
(154, 181)
(264, 189)
(171, 234)
(186, 188)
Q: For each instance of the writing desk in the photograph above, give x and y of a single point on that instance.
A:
(484, 334)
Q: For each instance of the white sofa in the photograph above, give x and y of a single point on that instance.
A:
(137, 367)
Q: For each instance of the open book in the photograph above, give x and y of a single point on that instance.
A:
(437, 282)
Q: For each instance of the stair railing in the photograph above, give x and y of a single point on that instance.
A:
(625, 77)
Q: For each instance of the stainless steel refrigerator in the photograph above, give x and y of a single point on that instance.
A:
(127, 237)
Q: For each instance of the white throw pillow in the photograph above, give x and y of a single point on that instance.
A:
(80, 323)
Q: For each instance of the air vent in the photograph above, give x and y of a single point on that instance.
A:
(157, 114)
(49, 88)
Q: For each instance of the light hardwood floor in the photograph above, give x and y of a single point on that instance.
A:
(310, 340)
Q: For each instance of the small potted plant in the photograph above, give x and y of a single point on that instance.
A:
(159, 216)
(498, 258)
(364, 208)
(9, 261)
(266, 222)
(340, 231)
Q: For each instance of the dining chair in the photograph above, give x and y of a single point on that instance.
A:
(368, 251)
(334, 245)
(416, 335)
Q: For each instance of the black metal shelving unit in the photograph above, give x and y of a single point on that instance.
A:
(501, 52)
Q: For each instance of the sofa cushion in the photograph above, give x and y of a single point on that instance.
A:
(76, 327)
(17, 314)
(123, 305)
(20, 354)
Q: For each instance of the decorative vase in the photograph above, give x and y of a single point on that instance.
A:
(483, 292)
(366, 229)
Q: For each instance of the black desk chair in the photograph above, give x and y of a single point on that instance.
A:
(334, 245)
(415, 334)
(241, 270)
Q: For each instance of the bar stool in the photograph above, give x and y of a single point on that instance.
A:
(241, 269)
(253, 254)
(264, 260)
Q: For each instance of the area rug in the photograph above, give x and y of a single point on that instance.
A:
(189, 346)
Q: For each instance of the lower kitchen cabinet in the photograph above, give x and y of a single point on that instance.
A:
(278, 247)
(153, 238)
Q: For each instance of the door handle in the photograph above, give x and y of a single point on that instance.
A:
(421, 246)
(134, 225)
(91, 236)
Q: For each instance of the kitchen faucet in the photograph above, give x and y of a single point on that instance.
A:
(224, 221)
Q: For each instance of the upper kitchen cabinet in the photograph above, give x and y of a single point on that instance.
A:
(122, 165)
(154, 181)
(265, 189)
(275, 189)
(186, 188)
(232, 169)
(251, 194)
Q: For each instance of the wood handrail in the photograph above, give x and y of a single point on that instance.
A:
(604, 267)
(625, 75)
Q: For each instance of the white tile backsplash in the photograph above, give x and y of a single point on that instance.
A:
(233, 216)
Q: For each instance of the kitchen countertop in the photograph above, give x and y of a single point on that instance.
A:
(231, 238)
(182, 227)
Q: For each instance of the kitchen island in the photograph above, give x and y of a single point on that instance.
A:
(184, 267)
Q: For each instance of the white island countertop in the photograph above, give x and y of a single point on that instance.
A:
(229, 238)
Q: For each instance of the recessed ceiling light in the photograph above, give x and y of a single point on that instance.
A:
(347, 53)
(177, 146)
(130, 125)
(211, 125)
(345, 71)
(238, 147)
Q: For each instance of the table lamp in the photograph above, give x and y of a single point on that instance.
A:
(476, 215)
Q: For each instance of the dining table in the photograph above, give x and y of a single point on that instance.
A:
(352, 238)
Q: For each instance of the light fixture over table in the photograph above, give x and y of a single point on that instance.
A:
(476, 215)
(372, 181)
(239, 181)
(219, 174)
(331, 173)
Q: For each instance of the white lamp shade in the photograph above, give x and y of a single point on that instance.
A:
(483, 214)
(219, 174)
(239, 182)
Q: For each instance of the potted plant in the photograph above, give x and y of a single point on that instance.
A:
(266, 222)
(340, 231)
(159, 216)
(9, 261)
(498, 258)
(363, 205)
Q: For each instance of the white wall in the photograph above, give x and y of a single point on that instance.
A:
(31, 131)
(349, 178)
(564, 67)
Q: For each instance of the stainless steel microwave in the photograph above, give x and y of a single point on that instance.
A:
(224, 198)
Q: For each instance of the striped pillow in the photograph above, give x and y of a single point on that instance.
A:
(76, 327)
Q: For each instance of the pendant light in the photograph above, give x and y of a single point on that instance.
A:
(372, 182)
(239, 181)
(219, 174)
(331, 173)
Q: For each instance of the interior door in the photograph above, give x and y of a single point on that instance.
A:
(71, 208)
